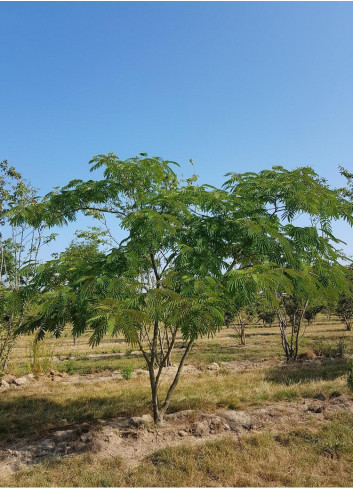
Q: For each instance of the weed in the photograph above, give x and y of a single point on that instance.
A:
(40, 357)
(70, 366)
(127, 372)
(330, 350)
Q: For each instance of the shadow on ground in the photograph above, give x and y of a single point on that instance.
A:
(305, 372)
(33, 416)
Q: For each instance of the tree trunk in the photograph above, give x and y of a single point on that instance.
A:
(240, 329)
(157, 418)
(283, 329)
(175, 382)
(7, 341)
(242, 335)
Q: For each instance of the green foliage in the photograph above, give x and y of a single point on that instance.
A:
(19, 247)
(190, 253)
(70, 366)
(40, 357)
(127, 372)
(344, 305)
(329, 349)
(264, 311)
(312, 311)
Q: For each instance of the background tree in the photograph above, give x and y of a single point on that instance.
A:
(19, 247)
(344, 304)
(307, 255)
(264, 311)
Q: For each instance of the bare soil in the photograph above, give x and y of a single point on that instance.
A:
(135, 438)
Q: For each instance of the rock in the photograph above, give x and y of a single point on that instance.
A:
(179, 416)
(200, 428)
(30, 376)
(182, 433)
(213, 366)
(217, 424)
(61, 449)
(144, 420)
(238, 419)
(108, 435)
(86, 437)
(63, 435)
(10, 379)
(47, 444)
(4, 385)
(61, 374)
(80, 446)
(20, 381)
(315, 408)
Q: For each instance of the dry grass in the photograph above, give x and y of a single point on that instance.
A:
(38, 407)
(323, 458)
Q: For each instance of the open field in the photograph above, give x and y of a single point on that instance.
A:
(240, 416)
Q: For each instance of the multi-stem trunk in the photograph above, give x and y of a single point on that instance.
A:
(240, 329)
(159, 408)
(291, 345)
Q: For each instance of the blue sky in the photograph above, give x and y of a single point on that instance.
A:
(235, 86)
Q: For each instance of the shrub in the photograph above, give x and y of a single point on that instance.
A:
(330, 350)
(70, 366)
(127, 372)
(40, 357)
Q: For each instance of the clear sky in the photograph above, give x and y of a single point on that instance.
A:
(235, 86)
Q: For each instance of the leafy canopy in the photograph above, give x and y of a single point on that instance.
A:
(189, 249)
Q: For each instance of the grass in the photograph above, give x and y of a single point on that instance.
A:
(41, 406)
(318, 456)
(321, 457)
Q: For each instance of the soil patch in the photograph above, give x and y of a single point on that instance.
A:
(135, 438)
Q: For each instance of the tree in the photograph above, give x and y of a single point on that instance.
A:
(264, 311)
(344, 310)
(150, 286)
(189, 253)
(312, 311)
(344, 304)
(308, 254)
(310, 288)
(19, 247)
(239, 317)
